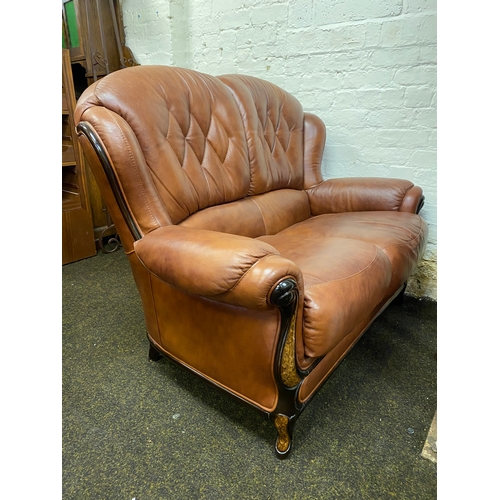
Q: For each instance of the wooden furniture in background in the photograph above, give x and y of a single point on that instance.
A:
(92, 31)
(77, 231)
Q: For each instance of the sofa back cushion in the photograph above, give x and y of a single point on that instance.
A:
(220, 153)
(188, 131)
(274, 125)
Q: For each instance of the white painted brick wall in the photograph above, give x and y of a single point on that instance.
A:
(148, 30)
(366, 67)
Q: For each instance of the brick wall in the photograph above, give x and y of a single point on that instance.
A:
(366, 67)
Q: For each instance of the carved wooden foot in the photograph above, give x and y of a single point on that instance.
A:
(154, 355)
(284, 426)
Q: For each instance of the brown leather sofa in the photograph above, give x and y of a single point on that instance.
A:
(254, 272)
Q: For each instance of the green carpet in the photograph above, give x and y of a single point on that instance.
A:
(137, 429)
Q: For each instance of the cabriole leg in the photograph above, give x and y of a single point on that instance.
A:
(284, 426)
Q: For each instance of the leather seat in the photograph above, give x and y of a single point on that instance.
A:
(254, 272)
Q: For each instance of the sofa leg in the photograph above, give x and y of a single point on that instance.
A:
(154, 355)
(284, 426)
(399, 300)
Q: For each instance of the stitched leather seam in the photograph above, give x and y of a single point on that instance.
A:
(246, 131)
(278, 122)
(405, 242)
(180, 160)
(205, 294)
(210, 201)
(347, 277)
(289, 181)
(249, 269)
(262, 215)
(215, 119)
(204, 175)
(153, 298)
(186, 142)
(186, 176)
(207, 172)
(192, 119)
(384, 248)
(372, 223)
(216, 154)
(405, 194)
(182, 77)
(184, 208)
(128, 149)
(310, 189)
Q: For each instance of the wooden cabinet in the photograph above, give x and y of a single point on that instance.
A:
(77, 230)
(93, 32)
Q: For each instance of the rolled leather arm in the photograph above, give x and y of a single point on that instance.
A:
(224, 267)
(353, 194)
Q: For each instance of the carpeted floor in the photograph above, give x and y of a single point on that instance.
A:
(143, 430)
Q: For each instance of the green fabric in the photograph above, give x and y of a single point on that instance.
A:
(72, 24)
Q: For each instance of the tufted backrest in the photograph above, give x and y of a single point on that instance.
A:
(274, 125)
(199, 150)
(182, 127)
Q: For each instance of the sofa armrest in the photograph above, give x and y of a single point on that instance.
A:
(224, 267)
(358, 194)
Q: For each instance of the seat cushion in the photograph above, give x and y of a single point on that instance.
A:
(267, 213)
(351, 264)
